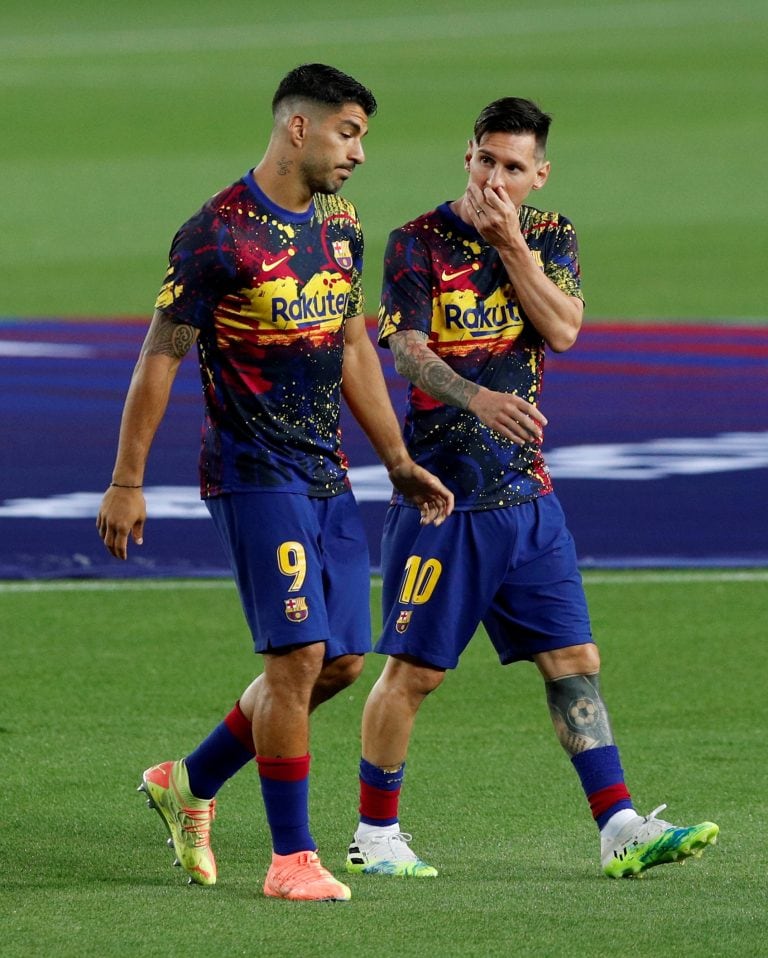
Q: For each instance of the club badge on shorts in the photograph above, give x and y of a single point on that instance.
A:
(342, 254)
(403, 621)
(296, 609)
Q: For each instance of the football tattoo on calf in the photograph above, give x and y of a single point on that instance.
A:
(578, 713)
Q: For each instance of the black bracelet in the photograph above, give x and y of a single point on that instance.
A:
(119, 485)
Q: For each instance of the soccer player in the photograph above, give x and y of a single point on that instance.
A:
(473, 293)
(266, 279)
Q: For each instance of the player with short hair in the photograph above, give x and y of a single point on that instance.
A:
(474, 291)
(266, 279)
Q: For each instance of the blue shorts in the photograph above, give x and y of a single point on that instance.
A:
(301, 567)
(512, 569)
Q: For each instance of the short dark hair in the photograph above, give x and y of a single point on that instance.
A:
(512, 114)
(323, 84)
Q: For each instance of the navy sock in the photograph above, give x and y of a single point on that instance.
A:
(602, 779)
(217, 758)
(285, 789)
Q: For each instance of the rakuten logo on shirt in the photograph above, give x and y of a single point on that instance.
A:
(482, 319)
(303, 309)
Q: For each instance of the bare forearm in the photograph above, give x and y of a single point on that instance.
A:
(148, 394)
(416, 362)
(365, 392)
(554, 314)
(507, 413)
(144, 408)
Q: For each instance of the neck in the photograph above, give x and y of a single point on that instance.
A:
(280, 183)
(459, 207)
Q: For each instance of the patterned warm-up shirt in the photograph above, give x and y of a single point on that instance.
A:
(442, 279)
(270, 291)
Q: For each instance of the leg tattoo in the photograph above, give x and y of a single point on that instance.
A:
(579, 713)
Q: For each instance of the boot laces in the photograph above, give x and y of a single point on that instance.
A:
(196, 822)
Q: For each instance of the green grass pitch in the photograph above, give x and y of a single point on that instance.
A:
(104, 679)
(120, 119)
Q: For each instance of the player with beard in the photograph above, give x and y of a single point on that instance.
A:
(474, 292)
(266, 280)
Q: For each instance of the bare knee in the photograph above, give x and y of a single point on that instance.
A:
(341, 672)
(391, 709)
(336, 675)
(571, 660)
(409, 677)
(291, 675)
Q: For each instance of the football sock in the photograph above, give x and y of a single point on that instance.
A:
(602, 779)
(226, 750)
(379, 794)
(285, 789)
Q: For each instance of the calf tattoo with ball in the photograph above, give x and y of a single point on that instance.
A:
(579, 713)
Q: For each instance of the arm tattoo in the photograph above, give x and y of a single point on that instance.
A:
(166, 338)
(415, 361)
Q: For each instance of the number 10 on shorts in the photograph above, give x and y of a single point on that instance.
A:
(419, 580)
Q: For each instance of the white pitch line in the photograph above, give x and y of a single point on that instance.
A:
(115, 585)
(661, 577)
(657, 577)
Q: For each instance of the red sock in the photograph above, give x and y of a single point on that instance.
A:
(379, 794)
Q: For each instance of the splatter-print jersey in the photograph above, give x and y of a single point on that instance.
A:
(441, 278)
(270, 291)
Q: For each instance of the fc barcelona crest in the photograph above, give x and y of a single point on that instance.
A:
(403, 621)
(296, 609)
(342, 254)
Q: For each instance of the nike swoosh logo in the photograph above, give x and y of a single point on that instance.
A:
(447, 277)
(268, 267)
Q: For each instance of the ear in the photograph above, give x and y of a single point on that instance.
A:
(542, 175)
(469, 154)
(298, 128)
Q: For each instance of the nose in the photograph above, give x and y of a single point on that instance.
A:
(357, 154)
(492, 176)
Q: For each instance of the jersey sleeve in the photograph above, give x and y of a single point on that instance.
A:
(201, 267)
(561, 258)
(406, 296)
(356, 301)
